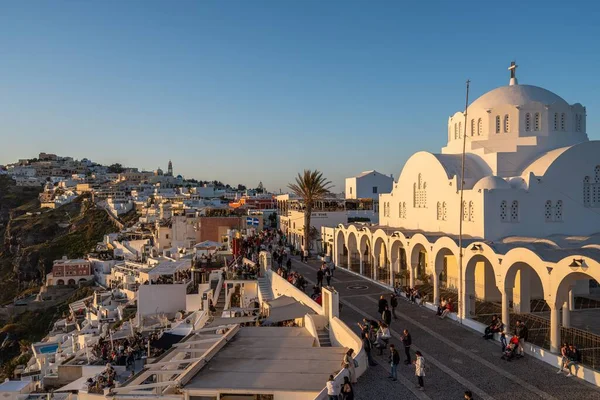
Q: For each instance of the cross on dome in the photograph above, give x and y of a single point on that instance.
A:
(513, 73)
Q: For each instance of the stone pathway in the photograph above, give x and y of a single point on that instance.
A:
(459, 359)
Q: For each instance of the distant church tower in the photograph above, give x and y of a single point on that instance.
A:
(170, 169)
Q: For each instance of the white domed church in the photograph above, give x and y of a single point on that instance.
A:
(530, 210)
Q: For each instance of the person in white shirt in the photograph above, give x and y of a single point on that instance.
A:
(333, 389)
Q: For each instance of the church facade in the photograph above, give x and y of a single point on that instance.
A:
(529, 215)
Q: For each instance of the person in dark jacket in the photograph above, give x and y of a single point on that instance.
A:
(394, 304)
(386, 316)
(368, 346)
(320, 278)
(406, 341)
(382, 304)
(394, 361)
(521, 332)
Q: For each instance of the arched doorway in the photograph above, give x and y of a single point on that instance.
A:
(445, 275)
(418, 264)
(522, 284)
(60, 282)
(341, 250)
(365, 253)
(399, 266)
(354, 255)
(480, 284)
(71, 281)
(381, 262)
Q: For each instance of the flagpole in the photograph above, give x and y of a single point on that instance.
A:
(461, 289)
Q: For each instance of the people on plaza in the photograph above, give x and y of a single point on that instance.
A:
(394, 304)
(349, 360)
(495, 326)
(406, 342)
(394, 361)
(367, 346)
(522, 332)
(571, 356)
(347, 390)
(386, 315)
(383, 337)
(327, 273)
(420, 369)
(333, 389)
(449, 309)
(441, 306)
(511, 349)
(320, 275)
(382, 304)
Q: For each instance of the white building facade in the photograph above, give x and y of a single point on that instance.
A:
(530, 210)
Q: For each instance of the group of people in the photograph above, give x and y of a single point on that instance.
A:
(325, 271)
(106, 379)
(125, 351)
(445, 307)
(570, 356)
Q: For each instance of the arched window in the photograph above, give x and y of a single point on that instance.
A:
(465, 211)
(578, 119)
(514, 211)
(471, 212)
(455, 130)
(479, 127)
(563, 121)
(385, 211)
(503, 211)
(400, 210)
(536, 124)
(404, 210)
(460, 130)
(548, 211)
(527, 122)
(586, 191)
(597, 174)
(473, 127)
(558, 211)
(555, 121)
(506, 124)
(444, 211)
(497, 124)
(439, 211)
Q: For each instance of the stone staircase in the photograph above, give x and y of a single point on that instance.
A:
(265, 289)
(324, 340)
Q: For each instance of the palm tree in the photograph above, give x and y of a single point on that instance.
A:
(310, 186)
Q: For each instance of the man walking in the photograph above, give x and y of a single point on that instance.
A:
(394, 361)
(521, 332)
(394, 304)
(382, 304)
(320, 278)
(406, 341)
(327, 275)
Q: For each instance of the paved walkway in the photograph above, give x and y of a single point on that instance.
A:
(459, 359)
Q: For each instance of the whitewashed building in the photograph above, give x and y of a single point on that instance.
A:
(530, 214)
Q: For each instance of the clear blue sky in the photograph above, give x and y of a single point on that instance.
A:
(244, 91)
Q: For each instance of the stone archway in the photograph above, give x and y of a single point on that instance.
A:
(60, 282)
(71, 282)
(365, 257)
(522, 284)
(341, 250)
(353, 256)
(445, 274)
(479, 284)
(381, 262)
(399, 263)
(418, 263)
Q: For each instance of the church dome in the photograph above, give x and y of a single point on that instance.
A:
(517, 95)
(491, 182)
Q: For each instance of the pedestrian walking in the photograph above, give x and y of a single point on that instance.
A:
(367, 346)
(305, 255)
(394, 304)
(522, 332)
(328, 275)
(407, 342)
(382, 304)
(352, 364)
(320, 278)
(333, 389)
(420, 369)
(386, 316)
(301, 256)
(394, 361)
(347, 390)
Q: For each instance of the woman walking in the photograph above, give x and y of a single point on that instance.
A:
(420, 369)
(347, 390)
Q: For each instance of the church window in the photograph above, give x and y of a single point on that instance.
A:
(444, 211)
(563, 121)
(578, 122)
(455, 130)
(527, 122)
(597, 174)
(514, 211)
(439, 211)
(506, 124)
(503, 211)
(420, 193)
(586, 191)
(385, 209)
(536, 124)
(473, 127)
(465, 212)
(591, 189)
(555, 121)
(479, 127)
(548, 211)
(558, 211)
(403, 210)
(460, 130)
(497, 124)
(471, 212)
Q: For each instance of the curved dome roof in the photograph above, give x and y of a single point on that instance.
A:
(491, 182)
(517, 95)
